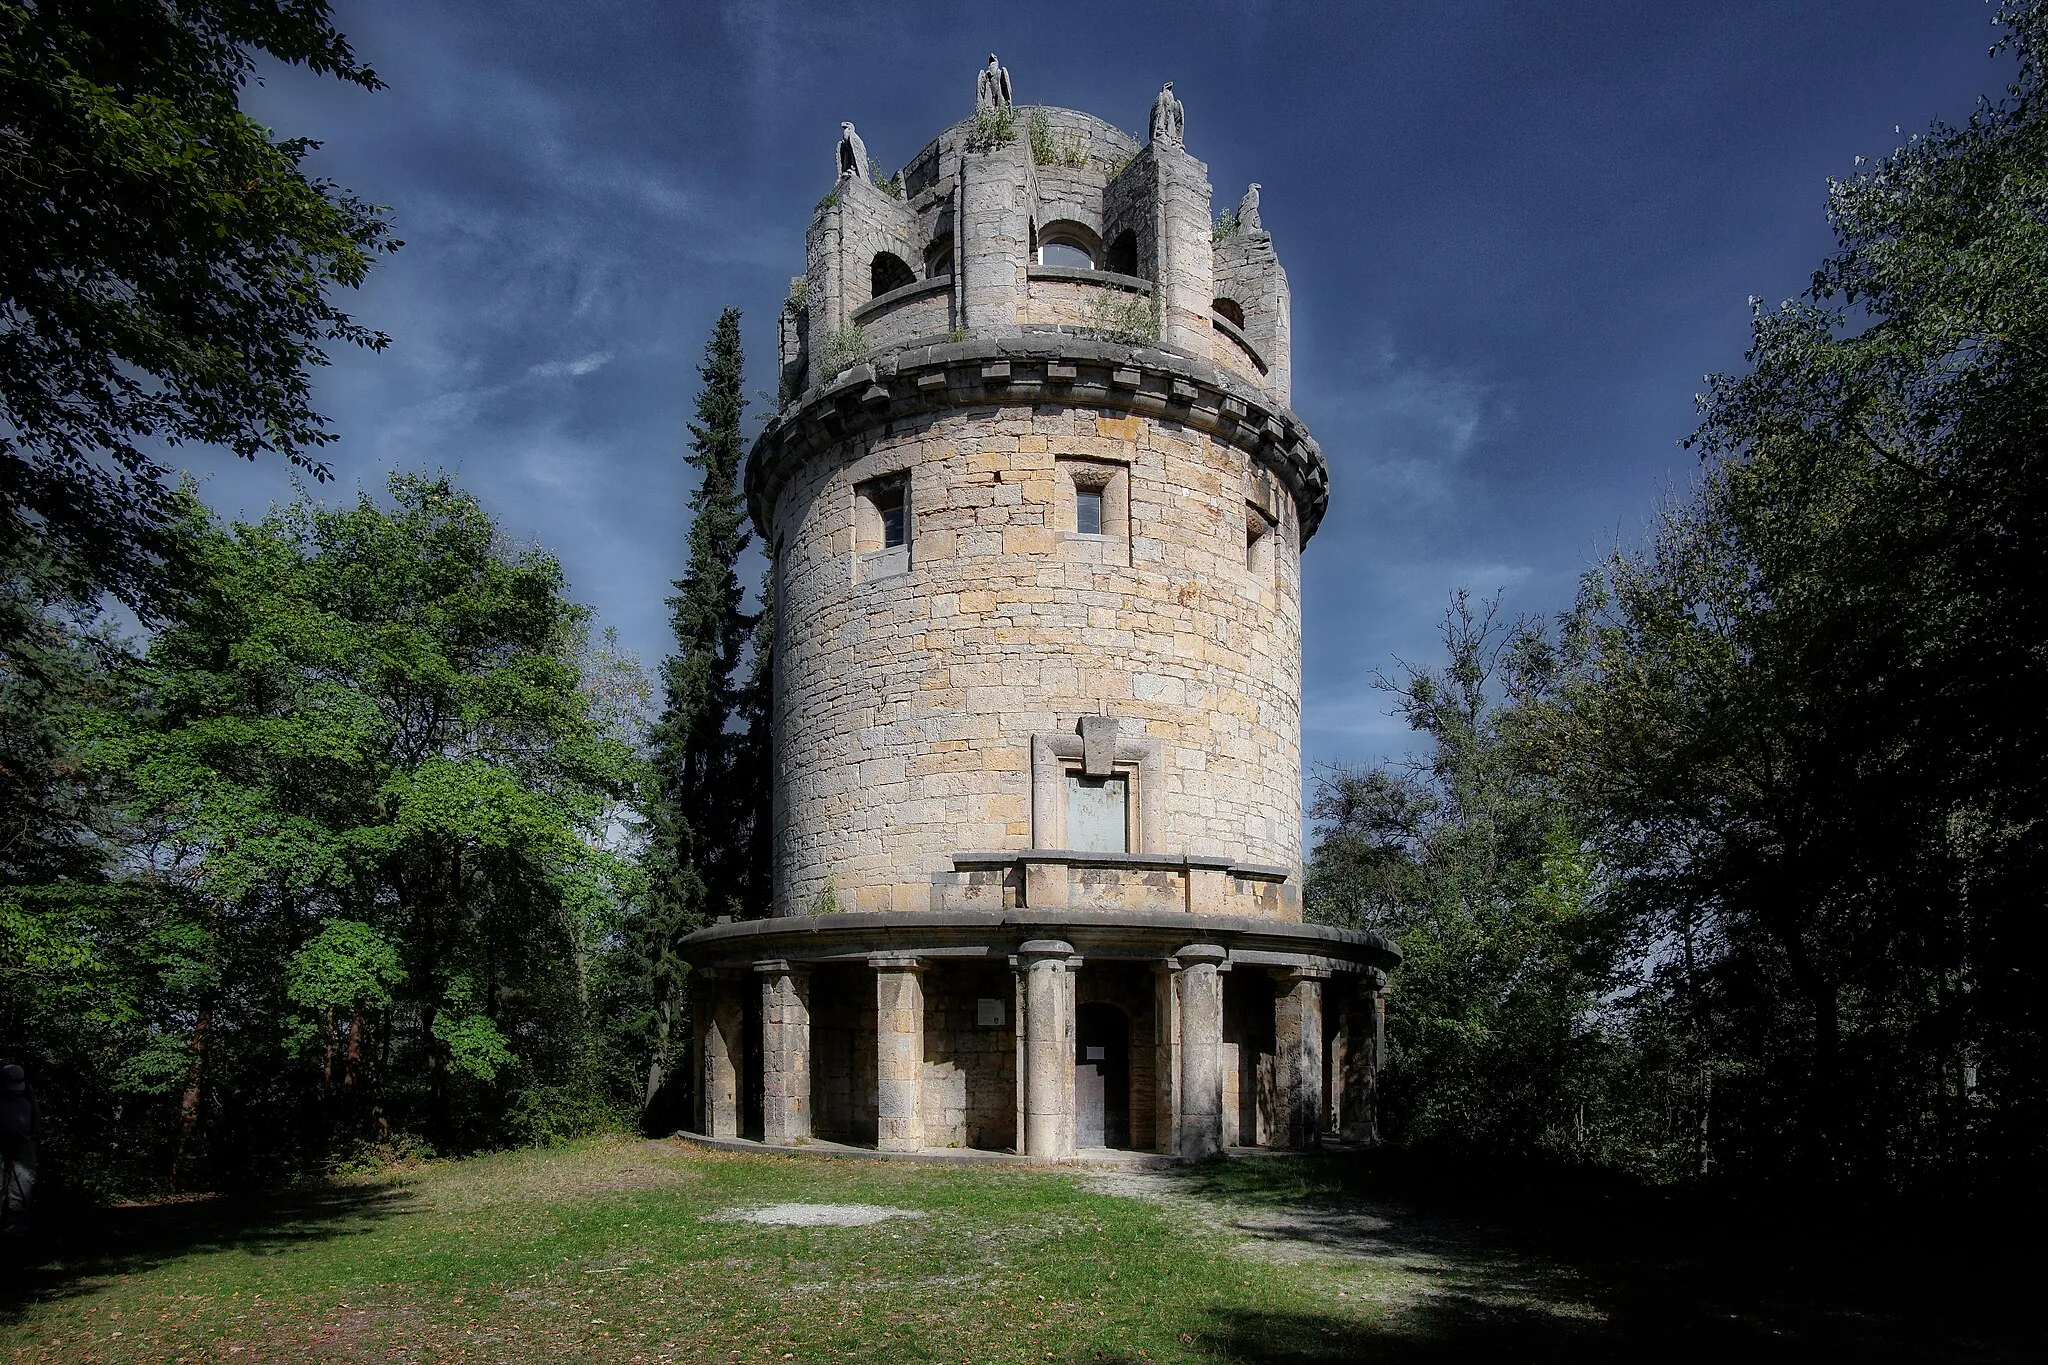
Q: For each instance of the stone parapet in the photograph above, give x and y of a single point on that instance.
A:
(1061, 879)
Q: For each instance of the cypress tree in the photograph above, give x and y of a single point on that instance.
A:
(696, 859)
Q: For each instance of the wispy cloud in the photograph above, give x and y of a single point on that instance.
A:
(571, 369)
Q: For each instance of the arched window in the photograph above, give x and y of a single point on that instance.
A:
(1069, 244)
(1230, 312)
(1123, 253)
(887, 273)
(938, 257)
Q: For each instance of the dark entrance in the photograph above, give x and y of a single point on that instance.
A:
(753, 1068)
(1102, 1077)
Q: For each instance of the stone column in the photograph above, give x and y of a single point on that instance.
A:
(1356, 1068)
(1186, 237)
(785, 1053)
(1048, 1127)
(720, 1018)
(1298, 1044)
(899, 1053)
(992, 234)
(1166, 1055)
(1201, 1049)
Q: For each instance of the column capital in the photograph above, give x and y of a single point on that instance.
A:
(1036, 950)
(779, 967)
(1299, 973)
(1199, 954)
(896, 962)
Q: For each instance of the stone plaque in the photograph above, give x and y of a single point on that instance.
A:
(1098, 814)
(988, 1013)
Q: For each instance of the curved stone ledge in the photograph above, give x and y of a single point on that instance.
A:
(1035, 368)
(998, 934)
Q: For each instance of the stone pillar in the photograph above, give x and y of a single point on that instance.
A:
(1356, 1069)
(1201, 1049)
(1186, 237)
(1048, 1126)
(720, 1018)
(899, 1053)
(1298, 1045)
(785, 1053)
(992, 234)
(1166, 1055)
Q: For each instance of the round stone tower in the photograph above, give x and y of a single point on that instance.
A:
(1036, 503)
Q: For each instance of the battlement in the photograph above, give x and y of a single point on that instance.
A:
(1036, 221)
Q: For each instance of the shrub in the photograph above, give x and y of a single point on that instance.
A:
(991, 128)
(843, 350)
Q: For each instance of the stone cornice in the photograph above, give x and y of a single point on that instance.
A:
(980, 933)
(1041, 367)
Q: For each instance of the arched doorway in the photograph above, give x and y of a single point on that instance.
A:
(1102, 1076)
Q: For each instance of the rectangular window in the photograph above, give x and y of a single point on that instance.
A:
(881, 527)
(1258, 545)
(1093, 511)
(1088, 511)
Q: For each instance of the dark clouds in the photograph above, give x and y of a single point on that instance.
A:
(1518, 235)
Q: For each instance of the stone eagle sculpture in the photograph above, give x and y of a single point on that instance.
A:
(992, 86)
(853, 154)
(1248, 210)
(1169, 124)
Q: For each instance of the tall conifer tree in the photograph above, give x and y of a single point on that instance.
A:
(696, 858)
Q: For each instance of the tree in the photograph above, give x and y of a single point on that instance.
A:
(366, 780)
(697, 855)
(1807, 712)
(166, 270)
(1475, 865)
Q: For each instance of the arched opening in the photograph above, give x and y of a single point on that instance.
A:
(1122, 256)
(1068, 244)
(938, 257)
(1102, 1076)
(888, 272)
(1230, 312)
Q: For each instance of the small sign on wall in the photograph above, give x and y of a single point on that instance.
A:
(1096, 1054)
(988, 1013)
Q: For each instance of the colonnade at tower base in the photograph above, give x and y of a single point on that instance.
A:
(1037, 1032)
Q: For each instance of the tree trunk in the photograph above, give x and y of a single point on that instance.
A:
(327, 1046)
(188, 1104)
(355, 1050)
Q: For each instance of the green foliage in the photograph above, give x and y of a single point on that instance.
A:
(1119, 316)
(1478, 869)
(992, 128)
(1225, 226)
(799, 294)
(369, 773)
(169, 271)
(843, 350)
(347, 965)
(700, 852)
(1052, 147)
(891, 185)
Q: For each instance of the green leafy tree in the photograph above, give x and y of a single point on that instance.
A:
(166, 270)
(1473, 862)
(697, 854)
(368, 775)
(1806, 712)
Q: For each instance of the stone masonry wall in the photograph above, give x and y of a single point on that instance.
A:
(970, 1068)
(906, 705)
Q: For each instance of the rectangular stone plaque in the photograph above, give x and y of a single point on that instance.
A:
(1098, 819)
(1096, 1054)
(988, 1013)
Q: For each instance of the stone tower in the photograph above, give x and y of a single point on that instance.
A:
(1036, 503)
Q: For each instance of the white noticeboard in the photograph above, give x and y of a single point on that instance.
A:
(988, 1013)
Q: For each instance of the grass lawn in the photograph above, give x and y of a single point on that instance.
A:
(617, 1249)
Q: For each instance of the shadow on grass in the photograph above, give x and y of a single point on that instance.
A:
(74, 1250)
(1531, 1266)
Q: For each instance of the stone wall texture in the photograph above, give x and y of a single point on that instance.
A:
(906, 705)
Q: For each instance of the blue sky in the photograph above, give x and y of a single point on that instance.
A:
(1518, 236)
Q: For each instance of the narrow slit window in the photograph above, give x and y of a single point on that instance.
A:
(1088, 511)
